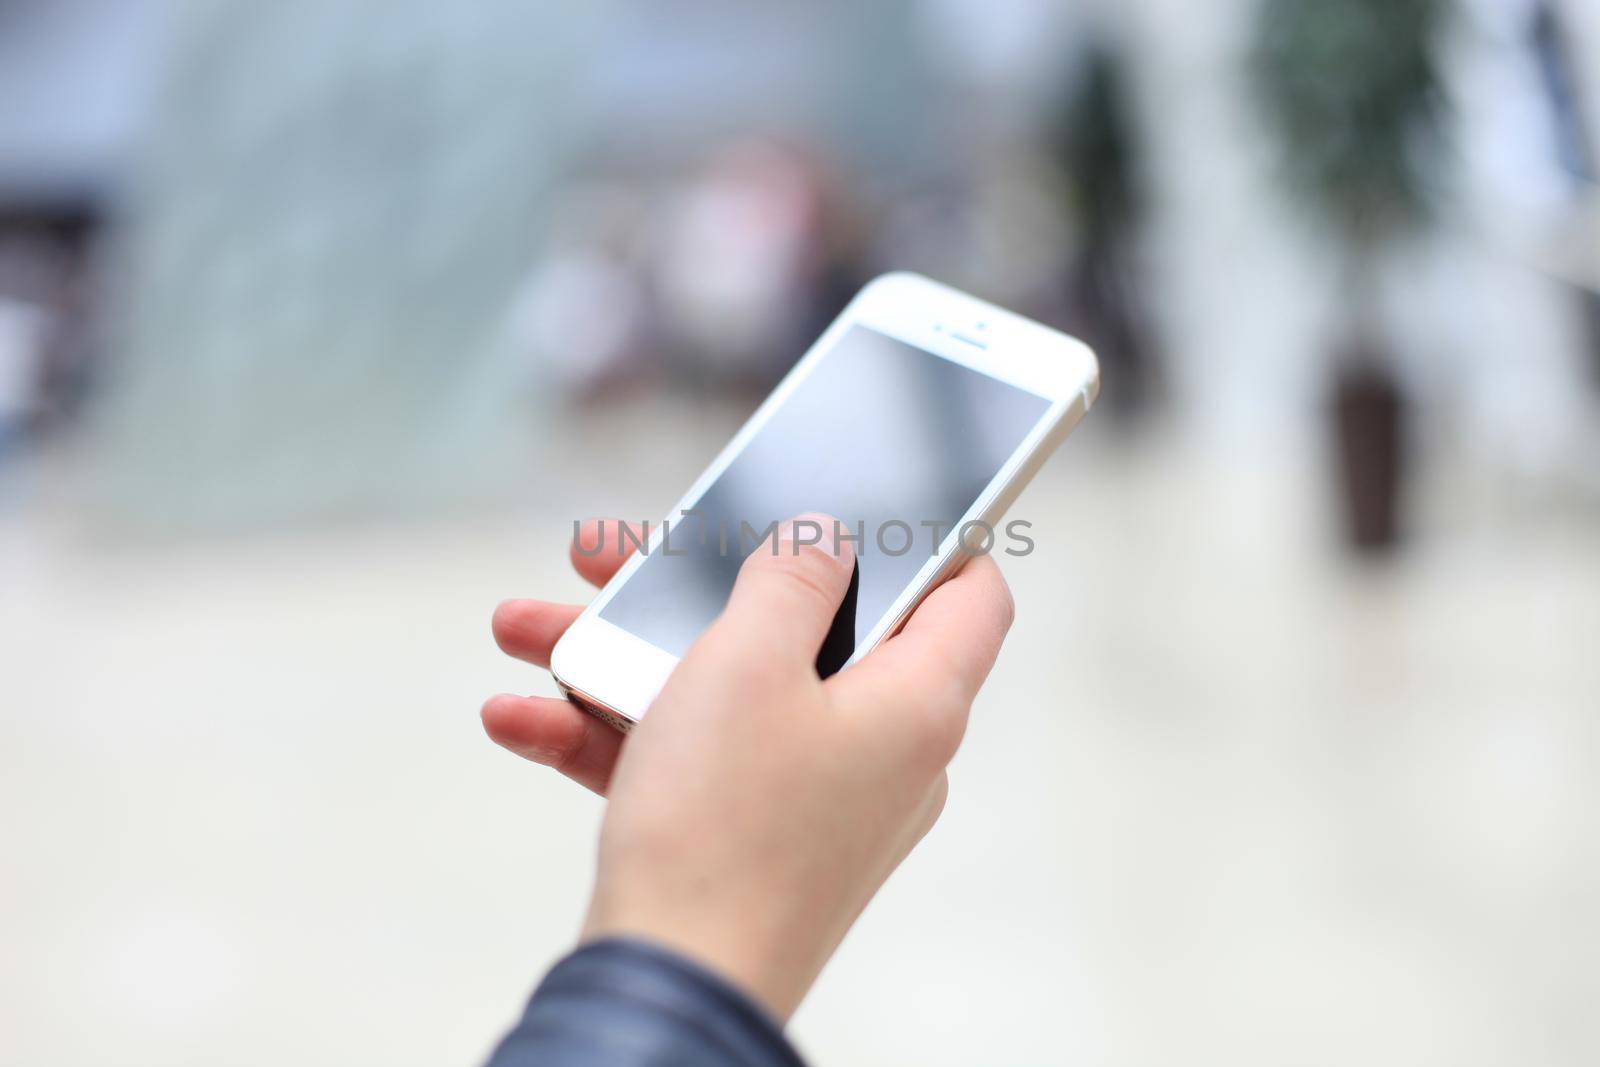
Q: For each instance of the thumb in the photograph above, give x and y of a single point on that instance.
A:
(788, 592)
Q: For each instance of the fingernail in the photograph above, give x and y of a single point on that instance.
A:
(823, 531)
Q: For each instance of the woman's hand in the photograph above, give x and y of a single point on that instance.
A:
(756, 809)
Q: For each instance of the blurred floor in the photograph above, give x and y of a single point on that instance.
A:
(1227, 799)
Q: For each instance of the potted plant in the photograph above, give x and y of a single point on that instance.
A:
(1353, 93)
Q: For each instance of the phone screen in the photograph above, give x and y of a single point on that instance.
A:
(894, 441)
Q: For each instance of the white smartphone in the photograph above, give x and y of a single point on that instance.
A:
(915, 420)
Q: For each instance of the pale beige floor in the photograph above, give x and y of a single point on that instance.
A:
(1227, 799)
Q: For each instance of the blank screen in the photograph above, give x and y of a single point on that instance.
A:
(880, 432)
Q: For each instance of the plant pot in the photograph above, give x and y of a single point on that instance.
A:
(1369, 415)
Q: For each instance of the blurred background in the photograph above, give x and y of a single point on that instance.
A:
(320, 323)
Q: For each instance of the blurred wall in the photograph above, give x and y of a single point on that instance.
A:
(333, 205)
(75, 76)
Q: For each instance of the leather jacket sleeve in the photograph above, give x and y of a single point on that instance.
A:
(626, 1003)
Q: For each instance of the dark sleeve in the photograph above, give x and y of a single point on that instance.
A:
(624, 1003)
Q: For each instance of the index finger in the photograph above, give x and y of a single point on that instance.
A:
(602, 546)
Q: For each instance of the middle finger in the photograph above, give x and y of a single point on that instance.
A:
(529, 629)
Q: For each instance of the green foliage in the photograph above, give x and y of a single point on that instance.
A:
(1353, 91)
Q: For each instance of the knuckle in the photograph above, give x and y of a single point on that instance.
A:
(815, 572)
(808, 569)
(563, 759)
(937, 800)
(938, 735)
(1007, 605)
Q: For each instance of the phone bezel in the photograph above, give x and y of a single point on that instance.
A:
(612, 670)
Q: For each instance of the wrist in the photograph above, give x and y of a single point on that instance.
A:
(777, 979)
